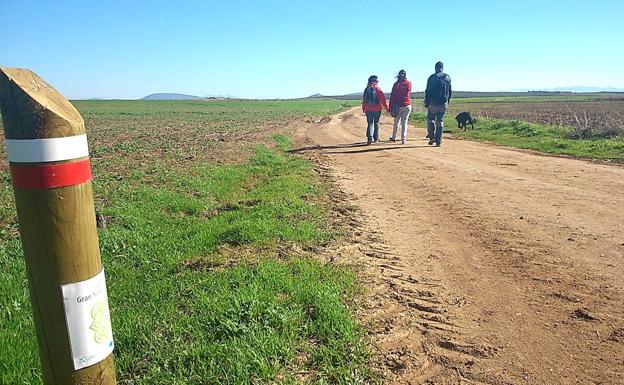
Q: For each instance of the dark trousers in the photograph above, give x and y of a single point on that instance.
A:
(435, 122)
(372, 130)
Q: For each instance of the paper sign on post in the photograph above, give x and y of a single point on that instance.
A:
(88, 320)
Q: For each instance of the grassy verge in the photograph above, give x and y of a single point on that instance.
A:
(549, 139)
(199, 293)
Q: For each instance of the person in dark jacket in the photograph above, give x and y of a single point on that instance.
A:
(401, 103)
(373, 99)
(437, 97)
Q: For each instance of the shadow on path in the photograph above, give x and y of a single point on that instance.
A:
(335, 146)
(376, 149)
(359, 147)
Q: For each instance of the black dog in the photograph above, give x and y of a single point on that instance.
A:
(463, 118)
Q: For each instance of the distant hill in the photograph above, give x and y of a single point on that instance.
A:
(588, 89)
(476, 94)
(572, 89)
(219, 96)
(170, 96)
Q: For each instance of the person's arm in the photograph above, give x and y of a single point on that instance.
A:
(364, 101)
(393, 95)
(427, 96)
(382, 99)
(450, 89)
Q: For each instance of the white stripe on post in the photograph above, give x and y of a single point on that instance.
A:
(47, 150)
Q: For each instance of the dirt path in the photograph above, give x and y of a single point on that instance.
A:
(486, 265)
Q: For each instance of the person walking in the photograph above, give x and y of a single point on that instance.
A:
(373, 100)
(437, 98)
(400, 105)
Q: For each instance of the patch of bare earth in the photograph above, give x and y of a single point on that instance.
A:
(481, 264)
(601, 118)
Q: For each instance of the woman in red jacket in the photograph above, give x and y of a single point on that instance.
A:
(401, 103)
(373, 100)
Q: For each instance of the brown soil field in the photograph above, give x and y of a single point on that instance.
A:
(604, 118)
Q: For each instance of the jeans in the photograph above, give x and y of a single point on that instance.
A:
(372, 129)
(435, 122)
(402, 116)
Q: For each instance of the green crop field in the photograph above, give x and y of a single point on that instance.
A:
(201, 199)
(580, 126)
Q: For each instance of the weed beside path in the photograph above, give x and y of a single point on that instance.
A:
(532, 136)
(196, 202)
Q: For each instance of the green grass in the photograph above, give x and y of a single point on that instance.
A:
(271, 108)
(544, 138)
(199, 293)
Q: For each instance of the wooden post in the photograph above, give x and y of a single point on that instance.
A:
(51, 175)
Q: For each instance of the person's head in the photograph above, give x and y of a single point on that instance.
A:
(373, 79)
(402, 75)
(439, 67)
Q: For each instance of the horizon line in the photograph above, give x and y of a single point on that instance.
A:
(318, 95)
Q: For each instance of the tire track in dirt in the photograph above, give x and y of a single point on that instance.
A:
(483, 264)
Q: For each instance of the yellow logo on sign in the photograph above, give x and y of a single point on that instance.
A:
(99, 325)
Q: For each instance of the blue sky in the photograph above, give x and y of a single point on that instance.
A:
(265, 49)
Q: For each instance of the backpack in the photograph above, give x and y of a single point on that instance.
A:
(439, 88)
(370, 95)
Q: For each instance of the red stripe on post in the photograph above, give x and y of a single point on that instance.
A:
(51, 176)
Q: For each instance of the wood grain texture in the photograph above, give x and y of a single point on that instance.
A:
(57, 226)
(33, 109)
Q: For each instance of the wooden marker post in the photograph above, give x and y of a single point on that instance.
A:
(51, 175)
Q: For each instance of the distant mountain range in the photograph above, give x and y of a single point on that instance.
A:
(171, 96)
(418, 94)
(509, 93)
(575, 89)
(589, 89)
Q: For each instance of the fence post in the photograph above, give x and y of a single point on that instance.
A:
(51, 176)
